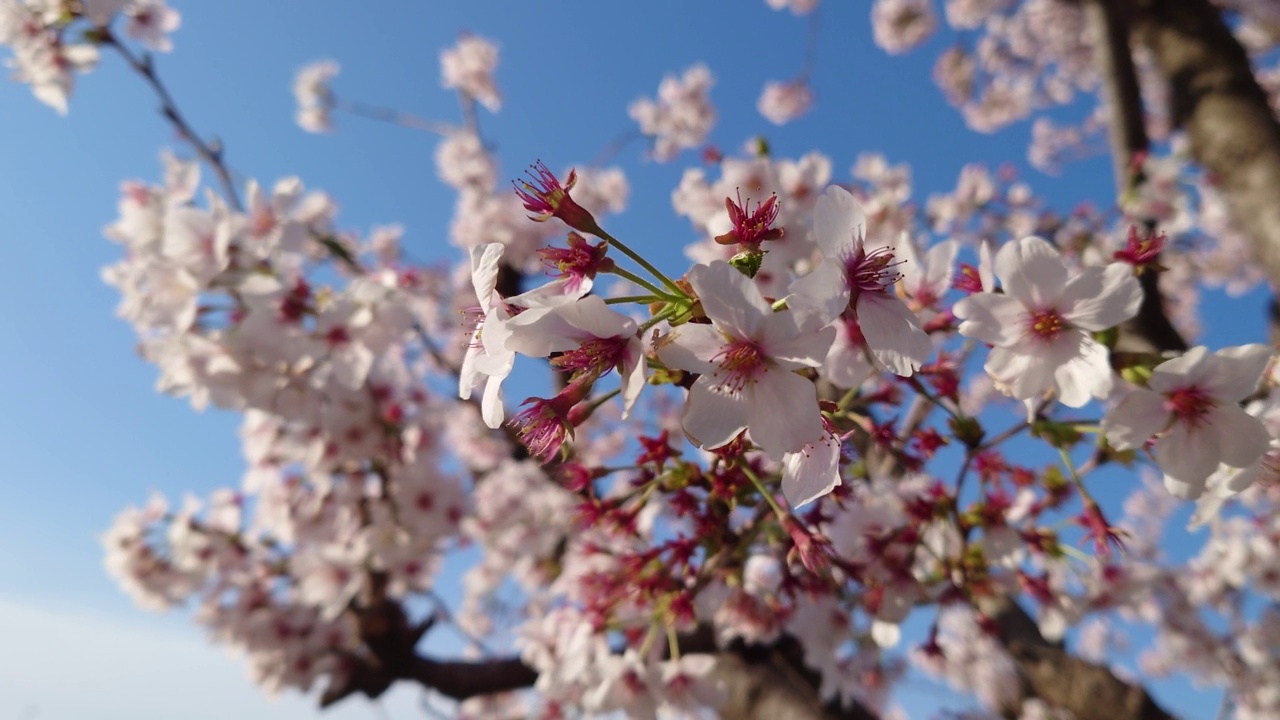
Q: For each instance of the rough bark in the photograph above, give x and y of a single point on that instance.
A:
(1215, 98)
(1049, 672)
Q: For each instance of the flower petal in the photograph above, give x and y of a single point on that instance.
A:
(991, 318)
(893, 333)
(1186, 369)
(782, 412)
(1086, 374)
(1243, 438)
(1101, 298)
(691, 347)
(811, 473)
(713, 416)
(1234, 372)
(1139, 415)
(1032, 271)
(822, 292)
(729, 298)
(1188, 455)
(837, 219)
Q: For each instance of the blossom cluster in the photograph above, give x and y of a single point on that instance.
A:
(759, 446)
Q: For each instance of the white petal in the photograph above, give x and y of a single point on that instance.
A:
(1102, 298)
(886, 635)
(893, 333)
(1243, 437)
(491, 406)
(484, 270)
(633, 372)
(791, 348)
(729, 298)
(846, 365)
(1234, 372)
(1139, 415)
(1020, 375)
(1087, 374)
(691, 347)
(1188, 455)
(821, 292)
(991, 318)
(783, 414)
(1031, 270)
(811, 473)
(712, 417)
(837, 219)
(1183, 370)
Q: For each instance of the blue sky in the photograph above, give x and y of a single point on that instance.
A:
(82, 431)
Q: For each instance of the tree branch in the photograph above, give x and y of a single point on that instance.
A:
(1218, 102)
(1054, 675)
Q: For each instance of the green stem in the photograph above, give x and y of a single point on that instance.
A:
(670, 311)
(622, 247)
(768, 496)
(642, 299)
(636, 279)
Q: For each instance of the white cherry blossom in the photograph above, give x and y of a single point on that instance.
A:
(1040, 326)
(854, 280)
(1192, 402)
(746, 359)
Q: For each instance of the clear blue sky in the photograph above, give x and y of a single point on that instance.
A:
(82, 432)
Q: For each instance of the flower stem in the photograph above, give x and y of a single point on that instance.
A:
(641, 299)
(637, 280)
(622, 247)
(768, 496)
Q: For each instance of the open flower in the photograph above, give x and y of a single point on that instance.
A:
(854, 280)
(487, 359)
(746, 359)
(1040, 327)
(1193, 403)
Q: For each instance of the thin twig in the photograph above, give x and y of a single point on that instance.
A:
(211, 154)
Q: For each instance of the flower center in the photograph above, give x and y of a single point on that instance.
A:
(595, 355)
(740, 363)
(1046, 324)
(871, 272)
(1190, 405)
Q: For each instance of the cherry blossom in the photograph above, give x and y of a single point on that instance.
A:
(745, 360)
(782, 102)
(855, 278)
(1192, 402)
(315, 98)
(1039, 328)
(469, 66)
(682, 115)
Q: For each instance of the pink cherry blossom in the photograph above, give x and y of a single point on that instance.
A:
(746, 359)
(469, 66)
(1192, 402)
(315, 98)
(1039, 328)
(682, 115)
(782, 102)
